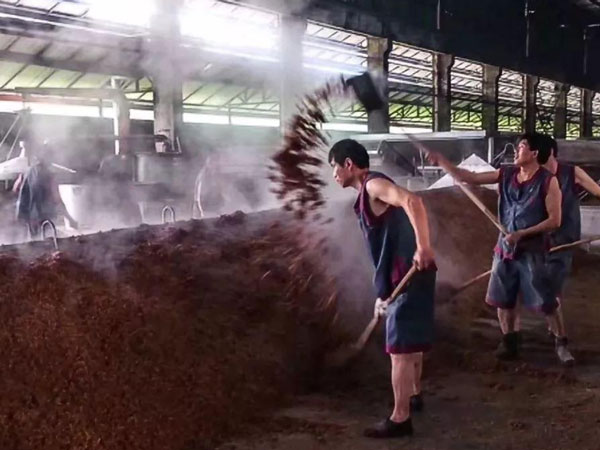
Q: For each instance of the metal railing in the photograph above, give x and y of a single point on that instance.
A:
(45, 225)
(168, 209)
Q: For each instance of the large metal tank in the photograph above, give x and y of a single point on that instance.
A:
(80, 201)
(171, 170)
(590, 224)
(101, 205)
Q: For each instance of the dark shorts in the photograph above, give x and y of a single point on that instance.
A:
(559, 267)
(526, 274)
(409, 325)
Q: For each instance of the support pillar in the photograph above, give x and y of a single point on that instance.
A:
(378, 53)
(121, 119)
(167, 81)
(292, 68)
(491, 77)
(442, 109)
(530, 94)
(560, 114)
(586, 118)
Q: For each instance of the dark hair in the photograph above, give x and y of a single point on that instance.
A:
(552, 145)
(349, 148)
(537, 143)
(533, 139)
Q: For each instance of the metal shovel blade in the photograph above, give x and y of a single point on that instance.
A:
(366, 91)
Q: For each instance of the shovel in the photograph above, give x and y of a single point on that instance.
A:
(467, 191)
(344, 355)
(447, 291)
(574, 244)
(365, 90)
(558, 248)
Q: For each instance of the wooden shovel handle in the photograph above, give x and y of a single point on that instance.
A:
(402, 285)
(472, 281)
(368, 331)
(466, 190)
(558, 248)
(574, 244)
(469, 193)
(366, 334)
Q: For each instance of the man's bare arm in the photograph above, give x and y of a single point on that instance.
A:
(391, 194)
(18, 183)
(586, 182)
(463, 175)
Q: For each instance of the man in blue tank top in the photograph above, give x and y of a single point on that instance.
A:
(394, 223)
(529, 208)
(572, 181)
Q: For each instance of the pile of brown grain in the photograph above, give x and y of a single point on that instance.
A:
(199, 333)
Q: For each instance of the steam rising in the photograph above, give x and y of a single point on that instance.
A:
(229, 163)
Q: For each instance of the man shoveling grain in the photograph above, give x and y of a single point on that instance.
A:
(394, 223)
(529, 209)
(572, 180)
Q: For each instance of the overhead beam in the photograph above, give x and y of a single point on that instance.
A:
(30, 18)
(383, 19)
(81, 37)
(75, 66)
(87, 93)
(416, 23)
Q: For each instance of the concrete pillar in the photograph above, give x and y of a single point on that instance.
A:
(560, 113)
(586, 117)
(530, 94)
(166, 75)
(491, 76)
(292, 68)
(442, 110)
(378, 53)
(121, 117)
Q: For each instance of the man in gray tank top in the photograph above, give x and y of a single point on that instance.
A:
(529, 209)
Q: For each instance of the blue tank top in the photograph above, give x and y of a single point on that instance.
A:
(521, 206)
(390, 238)
(570, 227)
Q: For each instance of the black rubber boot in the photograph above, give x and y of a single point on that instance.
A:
(416, 403)
(388, 429)
(508, 350)
(519, 341)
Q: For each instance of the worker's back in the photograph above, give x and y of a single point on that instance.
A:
(36, 198)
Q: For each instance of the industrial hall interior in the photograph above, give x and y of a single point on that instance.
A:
(299, 224)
